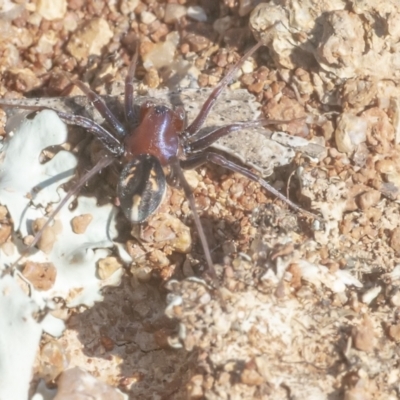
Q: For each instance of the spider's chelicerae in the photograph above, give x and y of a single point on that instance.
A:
(158, 140)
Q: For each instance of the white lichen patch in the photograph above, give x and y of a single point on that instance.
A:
(24, 180)
(19, 339)
(27, 187)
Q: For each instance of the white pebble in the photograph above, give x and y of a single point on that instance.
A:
(89, 39)
(173, 12)
(197, 13)
(147, 17)
(128, 7)
(370, 294)
(395, 274)
(163, 53)
(205, 299)
(350, 132)
(395, 299)
(51, 9)
(247, 67)
(46, 42)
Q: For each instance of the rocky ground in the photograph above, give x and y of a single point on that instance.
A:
(307, 307)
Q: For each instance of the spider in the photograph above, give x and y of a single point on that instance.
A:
(159, 145)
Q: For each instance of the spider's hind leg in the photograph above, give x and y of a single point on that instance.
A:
(209, 156)
(178, 174)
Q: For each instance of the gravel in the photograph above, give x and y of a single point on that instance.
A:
(306, 309)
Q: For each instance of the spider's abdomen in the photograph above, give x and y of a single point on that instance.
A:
(157, 133)
(141, 187)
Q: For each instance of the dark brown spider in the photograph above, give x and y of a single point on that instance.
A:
(160, 143)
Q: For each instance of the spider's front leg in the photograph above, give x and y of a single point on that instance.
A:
(198, 122)
(110, 142)
(102, 108)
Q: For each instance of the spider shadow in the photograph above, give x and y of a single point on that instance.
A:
(36, 190)
(129, 325)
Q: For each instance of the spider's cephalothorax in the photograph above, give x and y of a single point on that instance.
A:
(157, 133)
(159, 139)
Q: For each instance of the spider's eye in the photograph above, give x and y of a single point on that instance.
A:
(141, 187)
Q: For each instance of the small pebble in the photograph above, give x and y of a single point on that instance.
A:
(107, 266)
(363, 336)
(197, 13)
(371, 294)
(41, 275)
(23, 79)
(192, 178)
(89, 39)
(357, 393)
(195, 390)
(251, 377)
(152, 79)
(46, 42)
(76, 383)
(395, 240)
(51, 9)
(221, 25)
(394, 332)
(247, 67)
(350, 132)
(369, 199)
(161, 54)
(197, 42)
(385, 166)
(147, 17)
(80, 223)
(49, 235)
(53, 360)
(127, 7)
(395, 299)
(173, 12)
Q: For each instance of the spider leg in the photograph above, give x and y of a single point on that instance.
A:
(209, 103)
(178, 173)
(103, 163)
(129, 113)
(112, 144)
(102, 108)
(210, 156)
(203, 141)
